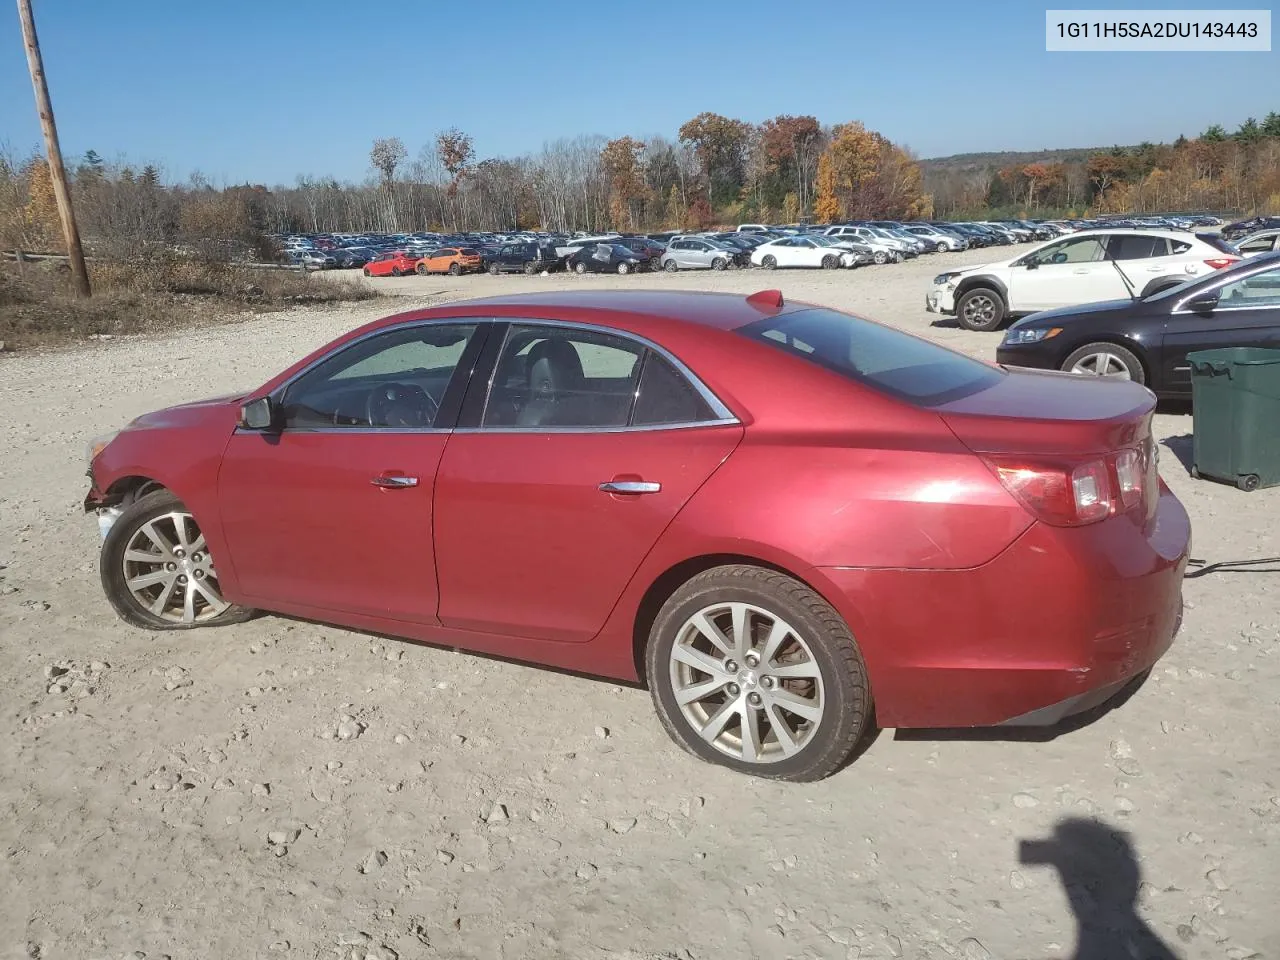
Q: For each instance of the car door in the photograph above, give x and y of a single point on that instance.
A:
(1145, 258)
(1066, 273)
(1246, 314)
(331, 509)
(586, 447)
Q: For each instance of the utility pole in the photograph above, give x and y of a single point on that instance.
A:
(58, 173)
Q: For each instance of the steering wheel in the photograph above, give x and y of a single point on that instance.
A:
(400, 405)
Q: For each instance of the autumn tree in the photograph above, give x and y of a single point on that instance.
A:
(620, 160)
(456, 153)
(1104, 169)
(792, 147)
(719, 144)
(826, 208)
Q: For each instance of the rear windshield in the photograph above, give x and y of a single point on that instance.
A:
(896, 363)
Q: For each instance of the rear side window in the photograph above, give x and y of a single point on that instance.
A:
(888, 360)
(666, 396)
(1129, 246)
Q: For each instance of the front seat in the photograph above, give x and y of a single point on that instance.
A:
(555, 375)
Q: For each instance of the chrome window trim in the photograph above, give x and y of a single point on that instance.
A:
(1224, 282)
(722, 413)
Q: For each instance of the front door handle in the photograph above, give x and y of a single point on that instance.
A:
(1081, 270)
(394, 482)
(630, 486)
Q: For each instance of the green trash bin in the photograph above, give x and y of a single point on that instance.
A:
(1235, 400)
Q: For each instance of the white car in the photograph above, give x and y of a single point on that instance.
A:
(800, 251)
(1264, 241)
(1085, 267)
(883, 249)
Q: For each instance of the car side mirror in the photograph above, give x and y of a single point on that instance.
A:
(258, 414)
(1204, 304)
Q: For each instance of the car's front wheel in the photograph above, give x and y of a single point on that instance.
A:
(980, 309)
(157, 571)
(671, 266)
(753, 670)
(880, 257)
(493, 269)
(579, 268)
(1105, 360)
(770, 262)
(624, 268)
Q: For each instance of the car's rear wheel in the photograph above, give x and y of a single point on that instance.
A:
(1105, 360)
(579, 268)
(830, 262)
(671, 266)
(770, 262)
(980, 309)
(157, 571)
(880, 257)
(396, 271)
(751, 669)
(455, 269)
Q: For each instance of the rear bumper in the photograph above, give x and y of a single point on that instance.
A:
(1053, 626)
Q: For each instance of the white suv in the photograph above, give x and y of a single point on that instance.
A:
(1084, 267)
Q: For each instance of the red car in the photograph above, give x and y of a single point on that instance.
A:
(393, 264)
(777, 515)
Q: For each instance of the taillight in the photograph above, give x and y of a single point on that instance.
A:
(1071, 493)
(1061, 494)
(1219, 262)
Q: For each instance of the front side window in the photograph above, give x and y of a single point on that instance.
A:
(896, 363)
(395, 379)
(1259, 290)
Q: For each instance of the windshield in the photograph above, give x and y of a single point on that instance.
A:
(896, 363)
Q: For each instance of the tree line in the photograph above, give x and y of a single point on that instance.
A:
(1216, 171)
(716, 170)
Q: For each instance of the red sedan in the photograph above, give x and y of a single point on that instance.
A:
(777, 515)
(395, 263)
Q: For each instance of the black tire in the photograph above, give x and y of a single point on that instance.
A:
(830, 262)
(530, 269)
(671, 266)
(719, 263)
(980, 308)
(395, 271)
(847, 706)
(624, 268)
(770, 262)
(422, 269)
(1132, 365)
(455, 270)
(1195, 473)
(111, 567)
(880, 257)
(579, 268)
(367, 273)
(1249, 482)
(494, 270)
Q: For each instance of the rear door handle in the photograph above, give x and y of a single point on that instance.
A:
(394, 482)
(630, 486)
(1081, 270)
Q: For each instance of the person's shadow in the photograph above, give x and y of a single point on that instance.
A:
(1101, 875)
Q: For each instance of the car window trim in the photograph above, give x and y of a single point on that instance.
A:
(450, 403)
(1219, 283)
(471, 420)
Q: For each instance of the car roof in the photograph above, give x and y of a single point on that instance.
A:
(721, 311)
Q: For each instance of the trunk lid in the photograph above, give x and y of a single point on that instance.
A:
(1044, 412)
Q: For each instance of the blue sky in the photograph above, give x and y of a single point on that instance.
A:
(264, 90)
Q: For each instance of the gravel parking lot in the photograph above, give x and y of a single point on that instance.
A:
(282, 789)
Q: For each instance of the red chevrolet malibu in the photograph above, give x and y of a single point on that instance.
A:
(777, 515)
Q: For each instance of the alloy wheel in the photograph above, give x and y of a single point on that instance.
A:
(747, 682)
(1102, 364)
(980, 309)
(168, 570)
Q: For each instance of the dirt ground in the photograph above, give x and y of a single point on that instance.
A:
(188, 795)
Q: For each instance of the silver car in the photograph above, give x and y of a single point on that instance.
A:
(698, 253)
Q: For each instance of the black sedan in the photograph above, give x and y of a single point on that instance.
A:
(606, 258)
(1148, 339)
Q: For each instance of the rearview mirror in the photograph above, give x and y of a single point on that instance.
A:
(258, 414)
(1205, 303)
